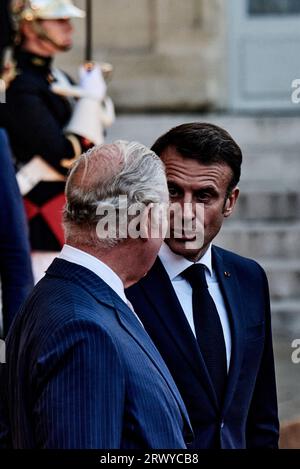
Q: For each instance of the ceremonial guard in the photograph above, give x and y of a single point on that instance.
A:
(49, 120)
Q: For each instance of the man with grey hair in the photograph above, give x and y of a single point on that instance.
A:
(82, 372)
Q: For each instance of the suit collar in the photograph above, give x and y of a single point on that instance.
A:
(79, 257)
(82, 277)
(229, 284)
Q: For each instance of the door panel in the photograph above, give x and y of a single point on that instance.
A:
(264, 53)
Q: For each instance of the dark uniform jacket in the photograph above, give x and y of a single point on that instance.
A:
(34, 118)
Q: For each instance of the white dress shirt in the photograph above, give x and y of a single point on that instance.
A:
(174, 266)
(76, 256)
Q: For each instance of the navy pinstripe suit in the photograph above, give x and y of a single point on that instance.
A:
(83, 373)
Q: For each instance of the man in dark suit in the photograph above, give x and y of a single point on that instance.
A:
(15, 266)
(81, 370)
(207, 309)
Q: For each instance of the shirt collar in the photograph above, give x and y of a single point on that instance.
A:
(175, 264)
(79, 257)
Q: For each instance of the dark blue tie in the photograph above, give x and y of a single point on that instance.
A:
(208, 328)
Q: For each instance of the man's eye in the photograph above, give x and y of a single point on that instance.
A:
(203, 196)
(173, 191)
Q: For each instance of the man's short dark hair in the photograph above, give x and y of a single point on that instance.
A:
(206, 143)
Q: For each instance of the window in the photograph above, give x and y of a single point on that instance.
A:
(273, 7)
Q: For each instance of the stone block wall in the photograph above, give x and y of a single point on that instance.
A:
(167, 54)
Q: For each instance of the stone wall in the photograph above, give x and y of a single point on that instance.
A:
(167, 54)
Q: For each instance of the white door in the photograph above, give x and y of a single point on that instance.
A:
(264, 53)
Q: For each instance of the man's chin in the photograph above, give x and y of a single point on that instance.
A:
(66, 47)
(188, 248)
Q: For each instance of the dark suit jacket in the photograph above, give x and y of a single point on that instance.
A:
(15, 264)
(83, 373)
(248, 417)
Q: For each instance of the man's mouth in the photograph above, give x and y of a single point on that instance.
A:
(183, 236)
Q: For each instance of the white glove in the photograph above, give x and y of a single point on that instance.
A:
(92, 82)
(86, 121)
(95, 111)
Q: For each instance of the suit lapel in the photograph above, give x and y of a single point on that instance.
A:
(135, 329)
(159, 291)
(229, 285)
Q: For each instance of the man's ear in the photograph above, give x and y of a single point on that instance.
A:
(27, 29)
(230, 202)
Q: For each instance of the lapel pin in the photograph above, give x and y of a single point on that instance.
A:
(227, 274)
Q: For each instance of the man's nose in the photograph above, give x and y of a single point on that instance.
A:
(188, 206)
(187, 198)
(189, 215)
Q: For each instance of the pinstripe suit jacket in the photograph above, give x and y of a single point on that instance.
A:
(83, 373)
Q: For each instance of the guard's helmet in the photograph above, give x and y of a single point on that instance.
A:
(31, 10)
